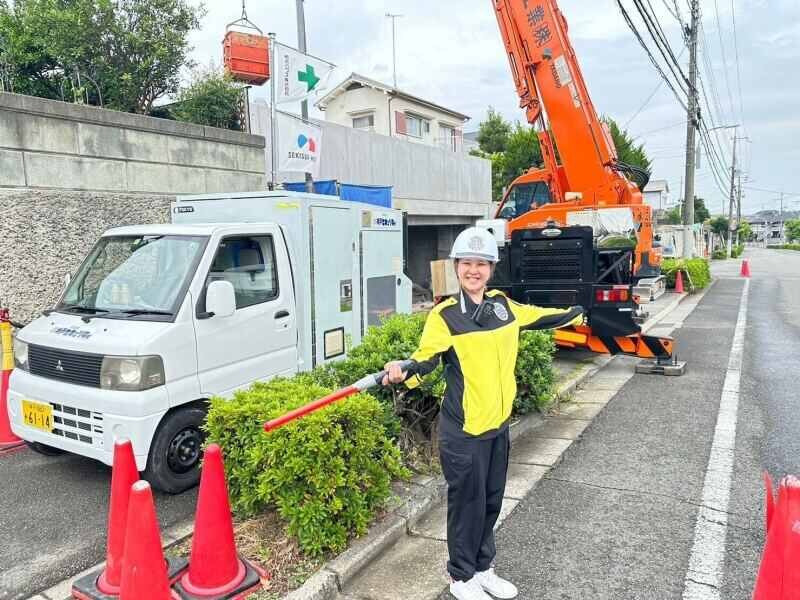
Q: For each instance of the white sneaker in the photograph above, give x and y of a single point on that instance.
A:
(495, 585)
(468, 590)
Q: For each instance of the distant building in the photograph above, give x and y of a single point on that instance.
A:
(656, 194)
(369, 105)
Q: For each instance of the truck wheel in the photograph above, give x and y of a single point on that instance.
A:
(44, 449)
(174, 460)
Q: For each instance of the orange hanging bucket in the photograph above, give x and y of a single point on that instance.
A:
(246, 55)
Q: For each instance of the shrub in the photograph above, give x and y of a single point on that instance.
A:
(737, 251)
(721, 254)
(326, 474)
(534, 371)
(697, 268)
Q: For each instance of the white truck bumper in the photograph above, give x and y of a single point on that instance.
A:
(88, 420)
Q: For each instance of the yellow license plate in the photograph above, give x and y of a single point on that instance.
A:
(37, 415)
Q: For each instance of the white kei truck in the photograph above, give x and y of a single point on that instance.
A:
(157, 319)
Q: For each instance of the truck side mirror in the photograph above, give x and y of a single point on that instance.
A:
(220, 299)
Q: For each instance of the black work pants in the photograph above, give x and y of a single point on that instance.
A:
(475, 471)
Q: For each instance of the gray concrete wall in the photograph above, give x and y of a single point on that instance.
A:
(46, 144)
(435, 186)
(44, 234)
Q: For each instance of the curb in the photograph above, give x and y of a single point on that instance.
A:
(334, 575)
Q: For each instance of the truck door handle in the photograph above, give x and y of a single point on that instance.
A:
(281, 314)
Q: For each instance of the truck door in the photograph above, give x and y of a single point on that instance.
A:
(259, 340)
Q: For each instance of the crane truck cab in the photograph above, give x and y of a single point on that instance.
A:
(160, 318)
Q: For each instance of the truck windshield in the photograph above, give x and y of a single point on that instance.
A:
(144, 275)
(525, 197)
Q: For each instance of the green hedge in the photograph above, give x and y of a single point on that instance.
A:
(697, 268)
(327, 474)
(737, 251)
(536, 378)
(786, 247)
(719, 254)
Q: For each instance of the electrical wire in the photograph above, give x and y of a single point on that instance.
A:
(644, 46)
(724, 59)
(653, 28)
(650, 97)
(738, 67)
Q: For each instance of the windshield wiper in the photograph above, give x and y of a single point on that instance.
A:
(125, 313)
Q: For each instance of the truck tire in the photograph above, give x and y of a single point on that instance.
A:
(44, 449)
(173, 465)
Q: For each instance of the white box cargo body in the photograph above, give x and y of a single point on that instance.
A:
(341, 250)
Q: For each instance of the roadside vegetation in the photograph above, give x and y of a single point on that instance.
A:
(697, 269)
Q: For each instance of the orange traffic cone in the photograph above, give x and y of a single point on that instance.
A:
(106, 584)
(745, 272)
(8, 440)
(215, 569)
(679, 282)
(144, 570)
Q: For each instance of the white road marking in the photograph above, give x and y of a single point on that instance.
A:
(704, 575)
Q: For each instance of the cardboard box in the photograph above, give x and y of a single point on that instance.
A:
(443, 278)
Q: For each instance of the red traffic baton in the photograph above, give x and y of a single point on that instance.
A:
(359, 386)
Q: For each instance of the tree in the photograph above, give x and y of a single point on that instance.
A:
(129, 52)
(674, 215)
(792, 229)
(627, 151)
(493, 133)
(701, 214)
(719, 225)
(745, 232)
(213, 98)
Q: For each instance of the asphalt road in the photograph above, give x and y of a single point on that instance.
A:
(53, 514)
(616, 518)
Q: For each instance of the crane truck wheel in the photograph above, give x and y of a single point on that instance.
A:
(173, 465)
(44, 449)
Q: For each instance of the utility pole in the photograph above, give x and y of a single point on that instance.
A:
(691, 128)
(739, 209)
(394, 18)
(783, 241)
(301, 45)
(733, 196)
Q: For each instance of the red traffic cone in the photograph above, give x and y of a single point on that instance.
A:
(7, 438)
(745, 268)
(123, 476)
(679, 282)
(106, 584)
(778, 577)
(791, 557)
(215, 569)
(144, 570)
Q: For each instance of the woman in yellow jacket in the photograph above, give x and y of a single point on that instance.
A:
(476, 335)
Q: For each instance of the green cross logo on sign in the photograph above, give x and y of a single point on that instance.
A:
(309, 77)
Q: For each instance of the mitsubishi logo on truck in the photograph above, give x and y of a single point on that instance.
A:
(72, 332)
(59, 366)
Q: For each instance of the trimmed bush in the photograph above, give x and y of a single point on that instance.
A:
(536, 377)
(721, 254)
(327, 474)
(697, 268)
(737, 251)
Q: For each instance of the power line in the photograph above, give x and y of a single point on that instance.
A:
(738, 68)
(662, 44)
(724, 59)
(644, 46)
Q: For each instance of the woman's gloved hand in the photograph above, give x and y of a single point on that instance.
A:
(394, 372)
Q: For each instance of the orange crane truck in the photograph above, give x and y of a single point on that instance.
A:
(577, 230)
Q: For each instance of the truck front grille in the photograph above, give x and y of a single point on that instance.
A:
(79, 368)
(546, 261)
(77, 423)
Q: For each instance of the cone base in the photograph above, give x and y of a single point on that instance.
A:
(86, 588)
(9, 447)
(251, 582)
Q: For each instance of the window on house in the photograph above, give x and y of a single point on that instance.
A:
(417, 126)
(364, 121)
(447, 137)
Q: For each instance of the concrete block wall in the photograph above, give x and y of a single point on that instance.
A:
(46, 144)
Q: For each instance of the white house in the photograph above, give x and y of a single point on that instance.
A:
(369, 105)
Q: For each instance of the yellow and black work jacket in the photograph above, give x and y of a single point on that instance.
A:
(479, 358)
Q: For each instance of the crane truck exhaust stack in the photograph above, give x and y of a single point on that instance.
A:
(136, 567)
(779, 574)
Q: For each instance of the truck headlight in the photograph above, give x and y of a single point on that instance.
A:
(21, 355)
(131, 373)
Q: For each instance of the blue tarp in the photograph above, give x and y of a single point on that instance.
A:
(379, 195)
(369, 194)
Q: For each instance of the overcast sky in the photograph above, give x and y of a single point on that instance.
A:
(452, 55)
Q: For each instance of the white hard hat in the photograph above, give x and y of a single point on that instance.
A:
(475, 242)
